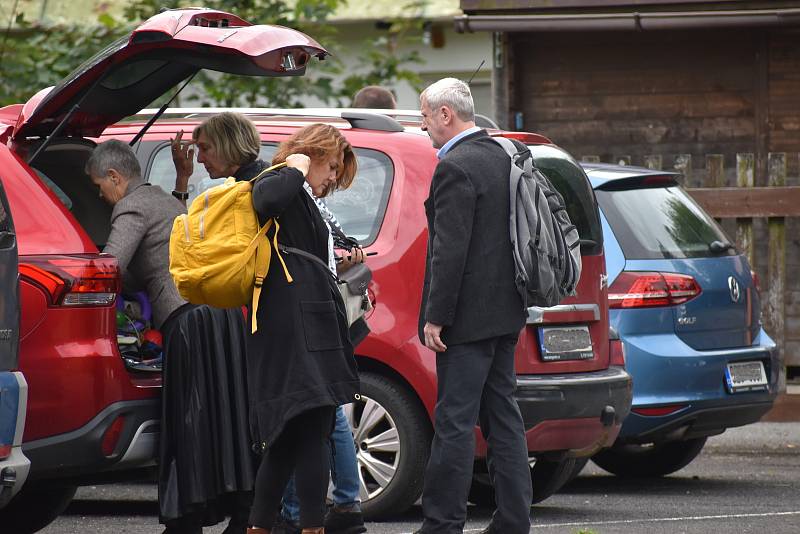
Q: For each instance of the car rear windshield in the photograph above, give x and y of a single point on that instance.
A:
(569, 179)
(359, 209)
(660, 222)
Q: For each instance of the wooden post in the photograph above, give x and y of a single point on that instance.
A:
(776, 268)
(745, 165)
(715, 173)
(683, 164)
(653, 161)
(590, 159)
(502, 81)
(715, 166)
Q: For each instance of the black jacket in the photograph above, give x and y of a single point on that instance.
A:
(300, 357)
(469, 271)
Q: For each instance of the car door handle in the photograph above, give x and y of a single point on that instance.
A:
(7, 239)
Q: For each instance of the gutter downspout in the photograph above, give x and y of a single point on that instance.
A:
(627, 21)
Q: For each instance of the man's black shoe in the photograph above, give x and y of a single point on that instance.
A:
(284, 526)
(339, 522)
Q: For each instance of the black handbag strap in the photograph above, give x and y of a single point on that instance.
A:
(307, 255)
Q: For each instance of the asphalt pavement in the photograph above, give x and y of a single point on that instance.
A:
(746, 480)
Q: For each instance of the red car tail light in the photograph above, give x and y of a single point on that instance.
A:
(79, 280)
(659, 410)
(645, 290)
(5, 451)
(616, 352)
(756, 280)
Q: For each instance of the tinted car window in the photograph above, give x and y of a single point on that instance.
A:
(569, 179)
(359, 209)
(660, 222)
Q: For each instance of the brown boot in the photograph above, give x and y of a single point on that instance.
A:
(320, 530)
(257, 530)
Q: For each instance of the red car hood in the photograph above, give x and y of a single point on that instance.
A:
(170, 47)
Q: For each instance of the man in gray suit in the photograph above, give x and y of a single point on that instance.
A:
(471, 317)
(141, 222)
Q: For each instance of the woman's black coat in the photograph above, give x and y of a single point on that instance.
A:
(300, 357)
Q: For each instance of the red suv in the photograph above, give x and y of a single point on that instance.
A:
(572, 392)
(91, 419)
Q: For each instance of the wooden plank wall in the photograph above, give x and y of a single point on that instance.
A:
(673, 98)
(614, 93)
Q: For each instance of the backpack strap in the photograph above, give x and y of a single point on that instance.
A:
(515, 153)
(263, 260)
(265, 171)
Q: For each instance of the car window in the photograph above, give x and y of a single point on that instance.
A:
(569, 179)
(660, 222)
(359, 209)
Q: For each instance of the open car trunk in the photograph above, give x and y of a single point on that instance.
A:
(61, 169)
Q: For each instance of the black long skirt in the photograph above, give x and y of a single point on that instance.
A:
(206, 463)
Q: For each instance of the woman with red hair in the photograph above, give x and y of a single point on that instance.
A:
(300, 360)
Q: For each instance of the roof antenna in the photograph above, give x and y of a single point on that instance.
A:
(476, 71)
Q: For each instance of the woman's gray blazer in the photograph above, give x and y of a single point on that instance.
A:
(141, 223)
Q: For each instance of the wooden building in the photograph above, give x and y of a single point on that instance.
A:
(646, 81)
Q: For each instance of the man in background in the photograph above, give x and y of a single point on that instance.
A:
(374, 97)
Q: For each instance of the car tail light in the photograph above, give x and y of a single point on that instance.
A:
(616, 352)
(644, 290)
(659, 410)
(756, 280)
(5, 451)
(111, 436)
(79, 280)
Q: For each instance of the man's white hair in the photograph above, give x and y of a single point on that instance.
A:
(453, 93)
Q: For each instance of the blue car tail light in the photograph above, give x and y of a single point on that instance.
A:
(651, 289)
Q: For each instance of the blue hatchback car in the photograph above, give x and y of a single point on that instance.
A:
(686, 306)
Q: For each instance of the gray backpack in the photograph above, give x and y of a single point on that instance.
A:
(546, 245)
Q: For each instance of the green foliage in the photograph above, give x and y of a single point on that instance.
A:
(33, 57)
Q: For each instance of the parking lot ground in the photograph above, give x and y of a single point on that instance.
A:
(786, 407)
(747, 480)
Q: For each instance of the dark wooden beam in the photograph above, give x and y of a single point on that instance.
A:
(666, 5)
(732, 202)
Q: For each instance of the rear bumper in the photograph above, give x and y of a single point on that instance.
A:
(666, 371)
(78, 456)
(697, 421)
(576, 413)
(14, 469)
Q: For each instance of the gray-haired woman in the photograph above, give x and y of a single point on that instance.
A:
(205, 468)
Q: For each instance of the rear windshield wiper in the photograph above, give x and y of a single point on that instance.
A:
(718, 247)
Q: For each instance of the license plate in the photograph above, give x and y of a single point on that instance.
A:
(561, 343)
(745, 376)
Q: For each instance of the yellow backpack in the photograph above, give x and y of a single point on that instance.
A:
(218, 255)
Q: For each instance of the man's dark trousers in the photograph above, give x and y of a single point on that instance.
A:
(463, 370)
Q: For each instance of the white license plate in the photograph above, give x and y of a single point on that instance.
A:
(561, 343)
(745, 376)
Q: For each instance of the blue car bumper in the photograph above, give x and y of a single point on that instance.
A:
(14, 465)
(668, 372)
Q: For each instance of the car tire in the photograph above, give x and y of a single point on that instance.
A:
(580, 463)
(391, 471)
(35, 507)
(547, 477)
(650, 460)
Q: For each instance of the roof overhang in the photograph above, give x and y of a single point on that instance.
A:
(629, 20)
